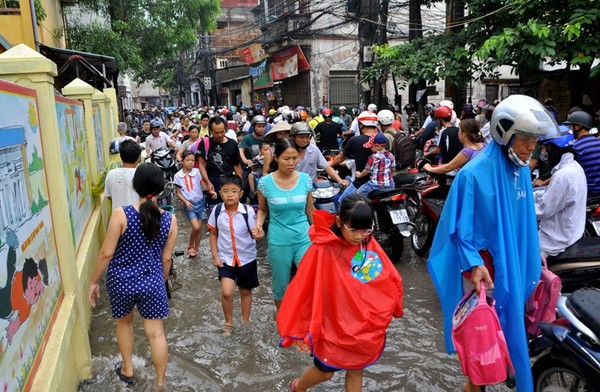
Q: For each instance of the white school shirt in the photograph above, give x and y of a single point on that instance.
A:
(235, 245)
(190, 185)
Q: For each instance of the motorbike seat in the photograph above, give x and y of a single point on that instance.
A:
(409, 178)
(384, 192)
(585, 248)
(586, 305)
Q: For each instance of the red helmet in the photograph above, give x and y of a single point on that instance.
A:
(327, 112)
(443, 112)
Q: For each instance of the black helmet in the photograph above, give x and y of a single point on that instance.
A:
(114, 146)
(155, 124)
(428, 106)
(300, 128)
(581, 118)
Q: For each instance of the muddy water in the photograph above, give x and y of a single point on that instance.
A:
(200, 359)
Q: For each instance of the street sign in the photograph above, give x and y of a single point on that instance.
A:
(207, 82)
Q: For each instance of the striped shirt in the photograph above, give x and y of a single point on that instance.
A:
(587, 153)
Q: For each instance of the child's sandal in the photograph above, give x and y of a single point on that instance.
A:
(192, 251)
(293, 385)
(226, 329)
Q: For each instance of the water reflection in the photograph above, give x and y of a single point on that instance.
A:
(200, 359)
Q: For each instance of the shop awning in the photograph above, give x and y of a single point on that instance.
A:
(98, 70)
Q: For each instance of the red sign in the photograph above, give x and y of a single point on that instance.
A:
(283, 56)
(253, 54)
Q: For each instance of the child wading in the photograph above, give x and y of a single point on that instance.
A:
(189, 190)
(343, 297)
(233, 249)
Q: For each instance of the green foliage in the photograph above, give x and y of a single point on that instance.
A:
(146, 38)
(520, 33)
(40, 12)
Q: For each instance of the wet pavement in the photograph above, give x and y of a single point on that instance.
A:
(201, 359)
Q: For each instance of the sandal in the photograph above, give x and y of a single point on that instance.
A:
(192, 252)
(293, 385)
(124, 378)
(226, 329)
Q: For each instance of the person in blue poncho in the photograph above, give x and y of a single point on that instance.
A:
(488, 228)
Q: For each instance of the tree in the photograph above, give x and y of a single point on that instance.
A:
(519, 33)
(147, 38)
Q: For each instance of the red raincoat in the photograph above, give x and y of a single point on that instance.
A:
(340, 312)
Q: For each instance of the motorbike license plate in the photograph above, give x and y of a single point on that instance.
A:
(597, 227)
(399, 216)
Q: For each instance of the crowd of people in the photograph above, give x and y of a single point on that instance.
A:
(231, 158)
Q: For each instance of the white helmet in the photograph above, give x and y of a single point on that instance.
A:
(367, 119)
(521, 114)
(385, 117)
(372, 108)
(448, 103)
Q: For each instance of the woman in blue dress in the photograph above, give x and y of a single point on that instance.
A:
(137, 251)
(286, 195)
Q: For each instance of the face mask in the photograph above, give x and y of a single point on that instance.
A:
(512, 155)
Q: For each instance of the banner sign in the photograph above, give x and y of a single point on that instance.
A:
(286, 54)
(261, 75)
(253, 54)
(285, 69)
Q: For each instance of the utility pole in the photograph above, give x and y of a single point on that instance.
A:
(415, 32)
(455, 10)
(368, 20)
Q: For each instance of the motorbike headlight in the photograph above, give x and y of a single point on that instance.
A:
(325, 193)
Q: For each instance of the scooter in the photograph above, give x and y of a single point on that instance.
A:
(571, 347)
(163, 158)
(325, 195)
(592, 217)
(391, 223)
(579, 265)
(432, 200)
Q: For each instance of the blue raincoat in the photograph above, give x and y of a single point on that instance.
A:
(490, 206)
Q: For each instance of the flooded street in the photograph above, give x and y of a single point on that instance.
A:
(200, 359)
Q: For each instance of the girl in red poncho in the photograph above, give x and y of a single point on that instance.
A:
(343, 297)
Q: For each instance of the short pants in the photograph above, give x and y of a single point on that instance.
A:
(246, 276)
(151, 303)
(198, 211)
(324, 368)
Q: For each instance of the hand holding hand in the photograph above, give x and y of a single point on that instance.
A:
(257, 232)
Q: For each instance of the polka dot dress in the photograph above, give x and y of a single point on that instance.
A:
(134, 275)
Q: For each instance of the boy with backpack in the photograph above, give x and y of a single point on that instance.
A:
(233, 249)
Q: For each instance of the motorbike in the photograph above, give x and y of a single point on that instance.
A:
(413, 184)
(592, 217)
(325, 195)
(163, 158)
(432, 200)
(579, 265)
(569, 348)
(391, 223)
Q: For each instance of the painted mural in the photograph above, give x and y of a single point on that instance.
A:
(99, 137)
(30, 285)
(75, 164)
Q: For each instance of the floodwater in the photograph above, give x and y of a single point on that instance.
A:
(201, 359)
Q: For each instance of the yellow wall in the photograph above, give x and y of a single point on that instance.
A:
(66, 358)
(19, 28)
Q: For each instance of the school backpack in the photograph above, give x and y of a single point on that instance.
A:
(404, 150)
(218, 209)
(479, 340)
(541, 304)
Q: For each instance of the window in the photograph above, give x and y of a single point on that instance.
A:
(343, 88)
(491, 92)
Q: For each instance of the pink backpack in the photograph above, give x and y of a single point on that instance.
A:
(479, 340)
(541, 304)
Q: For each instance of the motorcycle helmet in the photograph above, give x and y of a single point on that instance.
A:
(372, 108)
(327, 113)
(447, 103)
(303, 115)
(114, 146)
(385, 117)
(367, 119)
(272, 112)
(428, 107)
(521, 114)
(467, 108)
(443, 112)
(300, 128)
(259, 120)
(154, 124)
(580, 118)
(295, 117)
(561, 141)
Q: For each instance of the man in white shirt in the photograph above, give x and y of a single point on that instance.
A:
(118, 186)
(561, 207)
(158, 139)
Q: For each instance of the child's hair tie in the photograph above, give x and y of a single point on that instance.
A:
(149, 196)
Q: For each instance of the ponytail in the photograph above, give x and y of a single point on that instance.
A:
(148, 181)
(150, 219)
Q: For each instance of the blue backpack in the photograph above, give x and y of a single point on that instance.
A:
(218, 209)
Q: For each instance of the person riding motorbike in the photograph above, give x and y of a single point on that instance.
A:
(587, 149)
(309, 156)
